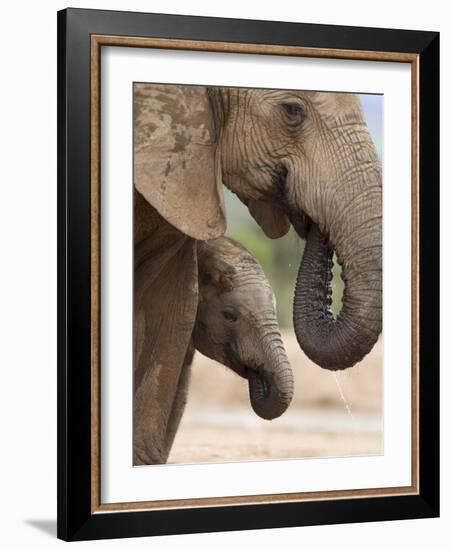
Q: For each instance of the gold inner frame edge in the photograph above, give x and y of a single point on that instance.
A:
(97, 41)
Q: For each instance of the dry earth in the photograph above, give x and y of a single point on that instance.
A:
(332, 414)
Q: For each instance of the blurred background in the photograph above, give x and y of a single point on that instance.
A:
(332, 414)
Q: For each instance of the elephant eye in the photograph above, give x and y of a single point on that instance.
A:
(229, 316)
(295, 112)
(205, 278)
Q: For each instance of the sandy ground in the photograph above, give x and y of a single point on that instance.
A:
(332, 414)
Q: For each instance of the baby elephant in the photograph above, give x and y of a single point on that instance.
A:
(237, 325)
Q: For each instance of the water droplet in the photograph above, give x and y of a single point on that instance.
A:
(346, 403)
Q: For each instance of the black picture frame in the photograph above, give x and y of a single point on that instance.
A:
(76, 520)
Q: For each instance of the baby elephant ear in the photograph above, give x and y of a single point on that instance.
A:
(176, 162)
(269, 217)
(214, 270)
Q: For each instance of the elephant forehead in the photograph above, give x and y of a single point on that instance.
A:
(254, 294)
(336, 105)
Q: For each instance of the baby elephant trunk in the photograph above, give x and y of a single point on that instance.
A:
(271, 385)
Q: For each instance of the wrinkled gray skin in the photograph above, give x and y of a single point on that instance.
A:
(307, 158)
(236, 324)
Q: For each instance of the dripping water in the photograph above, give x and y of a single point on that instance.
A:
(346, 403)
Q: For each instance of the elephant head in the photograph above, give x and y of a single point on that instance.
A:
(236, 324)
(294, 158)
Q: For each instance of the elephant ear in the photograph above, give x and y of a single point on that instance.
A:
(214, 270)
(269, 217)
(176, 162)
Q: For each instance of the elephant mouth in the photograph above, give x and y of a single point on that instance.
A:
(270, 391)
(301, 223)
(244, 370)
(298, 219)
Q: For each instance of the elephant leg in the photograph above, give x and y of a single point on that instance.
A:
(164, 423)
(163, 432)
(152, 410)
(180, 400)
(165, 309)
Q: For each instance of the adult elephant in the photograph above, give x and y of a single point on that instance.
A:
(300, 158)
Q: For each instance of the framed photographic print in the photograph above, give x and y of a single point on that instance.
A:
(248, 274)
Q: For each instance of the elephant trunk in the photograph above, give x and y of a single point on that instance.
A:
(339, 343)
(271, 385)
